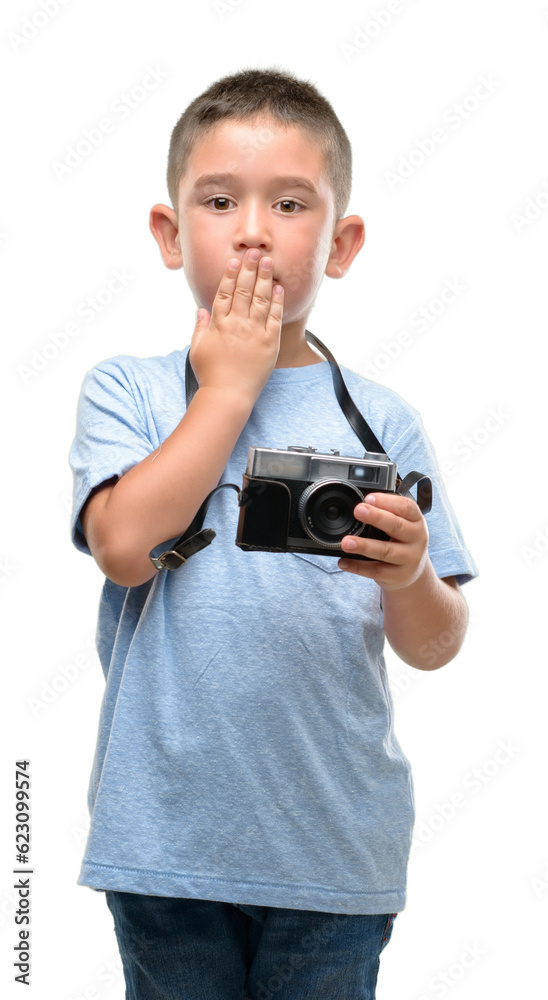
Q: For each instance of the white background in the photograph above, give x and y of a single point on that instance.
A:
(478, 877)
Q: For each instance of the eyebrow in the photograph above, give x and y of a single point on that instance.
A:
(220, 179)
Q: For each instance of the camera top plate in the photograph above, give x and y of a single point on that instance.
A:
(308, 465)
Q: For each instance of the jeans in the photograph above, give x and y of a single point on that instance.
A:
(176, 948)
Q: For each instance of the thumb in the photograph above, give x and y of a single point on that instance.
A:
(202, 321)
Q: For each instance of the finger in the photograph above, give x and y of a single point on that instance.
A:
(245, 285)
(379, 550)
(403, 507)
(202, 322)
(261, 298)
(275, 312)
(397, 527)
(371, 570)
(266, 305)
(222, 303)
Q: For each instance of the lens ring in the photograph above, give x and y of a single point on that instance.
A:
(341, 490)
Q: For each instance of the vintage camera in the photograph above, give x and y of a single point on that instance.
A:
(299, 500)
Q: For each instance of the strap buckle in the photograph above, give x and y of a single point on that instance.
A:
(184, 548)
(161, 561)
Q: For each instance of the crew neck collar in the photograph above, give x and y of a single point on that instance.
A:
(302, 373)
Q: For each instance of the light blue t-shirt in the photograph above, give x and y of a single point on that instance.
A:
(245, 747)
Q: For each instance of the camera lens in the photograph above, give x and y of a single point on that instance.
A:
(326, 511)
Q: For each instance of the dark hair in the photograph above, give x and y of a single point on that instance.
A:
(254, 94)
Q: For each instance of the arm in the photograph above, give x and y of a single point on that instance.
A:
(425, 618)
(426, 622)
(233, 353)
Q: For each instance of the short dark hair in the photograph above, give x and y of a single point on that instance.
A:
(253, 94)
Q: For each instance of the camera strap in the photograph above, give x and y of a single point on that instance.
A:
(362, 429)
(356, 420)
(196, 538)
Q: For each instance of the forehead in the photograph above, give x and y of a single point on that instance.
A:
(257, 149)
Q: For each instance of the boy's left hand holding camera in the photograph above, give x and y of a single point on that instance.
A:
(417, 605)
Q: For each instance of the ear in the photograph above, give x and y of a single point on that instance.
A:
(165, 229)
(348, 239)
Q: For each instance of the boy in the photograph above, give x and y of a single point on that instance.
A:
(251, 808)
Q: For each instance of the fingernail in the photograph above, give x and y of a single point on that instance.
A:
(234, 264)
(254, 254)
(344, 563)
(266, 263)
(370, 498)
(350, 543)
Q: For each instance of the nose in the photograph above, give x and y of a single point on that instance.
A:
(252, 228)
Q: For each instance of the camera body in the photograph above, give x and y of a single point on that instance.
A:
(299, 500)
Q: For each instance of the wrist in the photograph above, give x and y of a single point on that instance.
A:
(228, 397)
(422, 582)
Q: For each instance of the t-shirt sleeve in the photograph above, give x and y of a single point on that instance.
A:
(111, 436)
(448, 553)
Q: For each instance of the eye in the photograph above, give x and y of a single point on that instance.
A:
(220, 203)
(289, 205)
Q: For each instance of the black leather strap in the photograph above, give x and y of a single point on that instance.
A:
(191, 382)
(193, 539)
(356, 420)
(424, 490)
